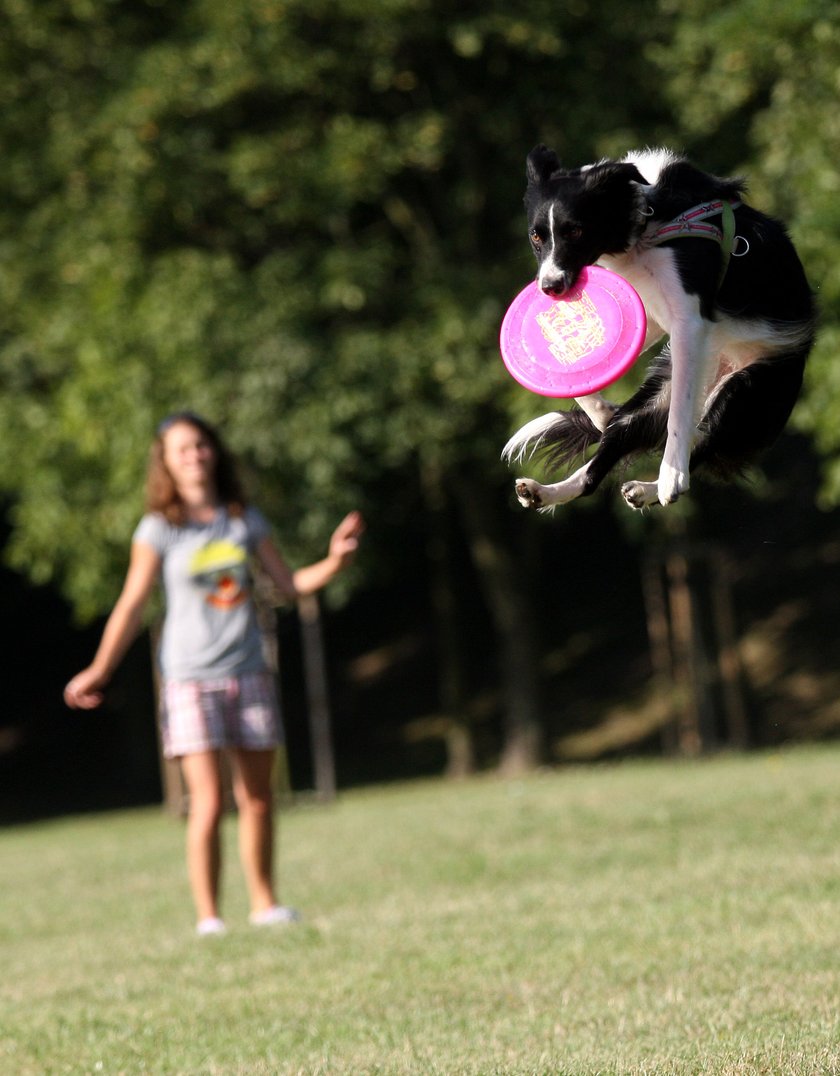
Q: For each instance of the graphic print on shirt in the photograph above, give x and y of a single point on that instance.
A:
(221, 569)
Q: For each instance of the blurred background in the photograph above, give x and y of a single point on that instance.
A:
(304, 220)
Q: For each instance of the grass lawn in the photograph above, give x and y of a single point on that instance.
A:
(642, 918)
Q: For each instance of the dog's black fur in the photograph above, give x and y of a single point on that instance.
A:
(725, 384)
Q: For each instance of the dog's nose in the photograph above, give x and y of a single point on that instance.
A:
(555, 290)
(554, 284)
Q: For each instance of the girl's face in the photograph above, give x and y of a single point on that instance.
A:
(188, 455)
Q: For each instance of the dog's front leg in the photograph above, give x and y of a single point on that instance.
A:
(598, 410)
(688, 375)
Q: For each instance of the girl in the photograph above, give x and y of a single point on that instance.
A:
(217, 691)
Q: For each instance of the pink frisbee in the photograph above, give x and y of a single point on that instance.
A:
(575, 345)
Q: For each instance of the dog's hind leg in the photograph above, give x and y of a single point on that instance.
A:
(532, 494)
(628, 433)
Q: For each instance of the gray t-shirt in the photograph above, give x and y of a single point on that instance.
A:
(210, 629)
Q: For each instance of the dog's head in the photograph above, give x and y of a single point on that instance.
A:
(575, 217)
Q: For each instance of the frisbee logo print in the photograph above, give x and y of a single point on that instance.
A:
(572, 330)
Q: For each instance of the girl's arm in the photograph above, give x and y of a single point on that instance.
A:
(343, 545)
(85, 690)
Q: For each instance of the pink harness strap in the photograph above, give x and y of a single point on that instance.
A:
(692, 222)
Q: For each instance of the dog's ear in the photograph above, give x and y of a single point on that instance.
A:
(611, 176)
(541, 162)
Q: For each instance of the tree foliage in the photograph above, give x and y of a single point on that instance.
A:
(301, 219)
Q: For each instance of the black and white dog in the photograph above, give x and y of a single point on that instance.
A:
(720, 279)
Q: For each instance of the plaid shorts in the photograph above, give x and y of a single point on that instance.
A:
(207, 715)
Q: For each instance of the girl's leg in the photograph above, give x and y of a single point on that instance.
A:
(202, 773)
(252, 788)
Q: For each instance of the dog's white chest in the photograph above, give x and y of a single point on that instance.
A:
(654, 276)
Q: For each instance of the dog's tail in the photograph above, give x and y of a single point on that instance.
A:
(558, 437)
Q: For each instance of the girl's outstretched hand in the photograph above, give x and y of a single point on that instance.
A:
(345, 538)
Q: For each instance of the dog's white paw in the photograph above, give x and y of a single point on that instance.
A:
(671, 484)
(640, 494)
(528, 493)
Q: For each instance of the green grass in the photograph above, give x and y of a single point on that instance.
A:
(644, 918)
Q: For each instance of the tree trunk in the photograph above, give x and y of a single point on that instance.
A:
(689, 736)
(460, 754)
(729, 656)
(508, 599)
(315, 667)
(659, 636)
(694, 648)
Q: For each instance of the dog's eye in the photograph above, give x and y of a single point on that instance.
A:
(536, 238)
(573, 232)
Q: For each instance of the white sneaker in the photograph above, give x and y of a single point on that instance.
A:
(274, 916)
(211, 925)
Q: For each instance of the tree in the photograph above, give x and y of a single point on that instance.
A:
(303, 220)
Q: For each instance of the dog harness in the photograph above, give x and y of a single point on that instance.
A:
(694, 222)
